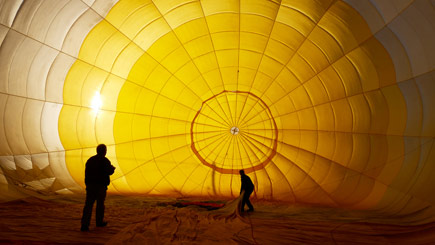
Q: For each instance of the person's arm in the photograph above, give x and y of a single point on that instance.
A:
(110, 168)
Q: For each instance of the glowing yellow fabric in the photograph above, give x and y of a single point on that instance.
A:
(320, 101)
(310, 89)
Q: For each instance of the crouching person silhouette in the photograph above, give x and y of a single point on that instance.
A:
(97, 178)
(248, 188)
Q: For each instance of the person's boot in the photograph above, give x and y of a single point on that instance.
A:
(84, 228)
(102, 224)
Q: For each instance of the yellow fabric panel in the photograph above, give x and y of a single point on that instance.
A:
(211, 7)
(101, 34)
(151, 33)
(300, 98)
(259, 7)
(311, 8)
(295, 19)
(325, 145)
(333, 83)
(166, 44)
(325, 117)
(74, 82)
(109, 51)
(124, 10)
(104, 124)
(309, 49)
(167, 6)
(348, 75)
(192, 30)
(367, 71)
(346, 26)
(184, 14)
(76, 165)
(86, 127)
(255, 24)
(223, 22)
(270, 67)
(92, 84)
(287, 35)
(378, 112)
(124, 61)
(360, 113)
(316, 90)
(278, 51)
(199, 46)
(301, 68)
(326, 43)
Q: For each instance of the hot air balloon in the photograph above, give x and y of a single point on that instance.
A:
(321, 102)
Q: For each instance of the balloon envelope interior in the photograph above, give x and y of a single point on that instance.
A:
(320, 102)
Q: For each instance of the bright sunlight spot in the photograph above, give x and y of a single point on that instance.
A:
(96, 102)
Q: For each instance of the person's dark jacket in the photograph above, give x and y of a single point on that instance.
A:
(247, 184)
(98, 171)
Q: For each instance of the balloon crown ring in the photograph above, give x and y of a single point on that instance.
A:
(234, 130)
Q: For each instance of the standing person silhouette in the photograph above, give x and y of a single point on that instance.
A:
(97, 178)
(248, 188)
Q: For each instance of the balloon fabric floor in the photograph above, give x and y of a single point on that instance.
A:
(159, 220)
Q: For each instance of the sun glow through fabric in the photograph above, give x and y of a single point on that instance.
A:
(321, 101)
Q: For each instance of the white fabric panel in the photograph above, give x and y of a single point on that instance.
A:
(426, 7)
(20, 67)
(79, 31)
(3, 32)
(102, 7)
(8, 11)
(414, 107)
(23, 161)
(7, 50)
(397, 53)
(369, 13)
(411, 42)
(38, 72)
(4, 146)
(426, 85)
(419, 22)
(3, 181)
(32, 126)
(88, 2)
(390, 9)
(40, 185)
(49, 126)
(44, 18)
(63, 22)
(13, 122)
(25, 16)
(41, 160)
(58, 165)
(7, 162)
(56, 77)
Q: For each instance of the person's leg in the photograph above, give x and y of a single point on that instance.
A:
(247, 195)
(100, 207)
(242, 207)
(87, 209)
